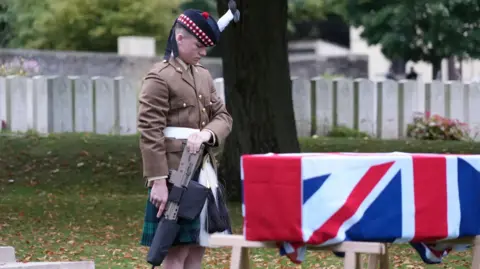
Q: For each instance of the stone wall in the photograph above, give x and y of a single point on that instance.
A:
(112, 64)
(308, 66)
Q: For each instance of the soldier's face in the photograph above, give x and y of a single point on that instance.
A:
(190, 49)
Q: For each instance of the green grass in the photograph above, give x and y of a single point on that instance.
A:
(82, 198)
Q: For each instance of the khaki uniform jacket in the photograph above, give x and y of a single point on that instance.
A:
(172, 95)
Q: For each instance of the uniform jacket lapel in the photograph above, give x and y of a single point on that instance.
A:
(186, 76)
(197, 78)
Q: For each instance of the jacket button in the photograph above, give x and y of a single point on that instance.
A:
(211, 103)
(200, 96)
(203, 123)
(184, 105)
(203, 109)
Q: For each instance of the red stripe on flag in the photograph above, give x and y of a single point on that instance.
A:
(272, 197)
(364, 187)
(430, 192)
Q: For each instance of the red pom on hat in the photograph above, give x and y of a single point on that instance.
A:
(205, 15)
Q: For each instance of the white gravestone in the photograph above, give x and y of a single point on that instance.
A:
(409, 107)
(127, 105)
(60, 104)
(343, 89)
(50, 265)
(436, 100)
(30, 104)
(7, 254)
(367, 106)
(324, 105)
(458, 104)
(18, 107)
(388, 98)
(105, 99)
(474, 110)
(3, 100)
(83, 96)
(301, 105)
(41, 104)
(421, 97)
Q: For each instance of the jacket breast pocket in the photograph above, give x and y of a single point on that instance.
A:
(180, 112)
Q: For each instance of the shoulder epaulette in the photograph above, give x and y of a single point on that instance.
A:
(159, 66)
(162, 65)
(199, 65)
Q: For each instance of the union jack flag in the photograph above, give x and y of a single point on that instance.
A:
(327, 198)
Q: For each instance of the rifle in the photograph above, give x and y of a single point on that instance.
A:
(186, 199)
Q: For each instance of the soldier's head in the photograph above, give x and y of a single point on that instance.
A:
(190, 48)
(193, 32)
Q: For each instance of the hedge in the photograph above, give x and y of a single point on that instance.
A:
(326, 144)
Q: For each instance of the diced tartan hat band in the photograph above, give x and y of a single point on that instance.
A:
(201, 25)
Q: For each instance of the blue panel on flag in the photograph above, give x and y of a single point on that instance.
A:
(382, 221)
(312, 185)
(468, 186)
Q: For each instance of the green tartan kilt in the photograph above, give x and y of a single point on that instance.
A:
(188, 234)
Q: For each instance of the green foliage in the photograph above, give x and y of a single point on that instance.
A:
(5, 26)
(310, 10)
(203, 5)
(298, 10)
(21, 17)
(95, 25)
(420, 30)
(305, 10)
(91, 25)
(342, 131)
(327, 144)
(426, 127)
(332, 76)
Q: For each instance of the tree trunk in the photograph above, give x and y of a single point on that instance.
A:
(257, 86)
(452, 74)
(398, 67)
(436, 68)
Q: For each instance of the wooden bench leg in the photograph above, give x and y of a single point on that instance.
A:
(240, 247)
(384, 262)
(350, 260)
(240, 258)
(358, 261)
(476, 253)
(373, 261)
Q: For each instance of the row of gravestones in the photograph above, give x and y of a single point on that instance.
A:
(8, 261)
(69, 104)
(384, 108)
(57, 104)
(109, 105)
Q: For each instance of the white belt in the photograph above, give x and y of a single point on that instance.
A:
(179, 132)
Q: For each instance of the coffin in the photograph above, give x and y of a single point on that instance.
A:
(326, 198)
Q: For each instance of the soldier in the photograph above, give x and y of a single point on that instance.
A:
(178, 102)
